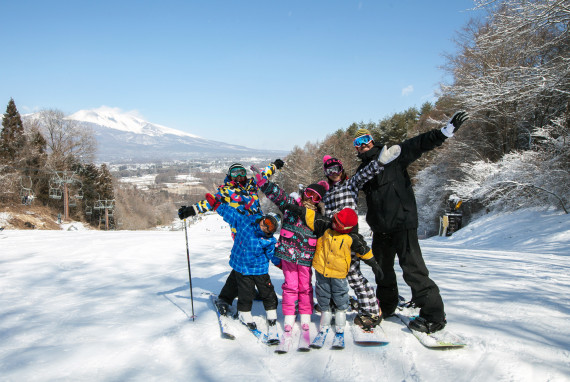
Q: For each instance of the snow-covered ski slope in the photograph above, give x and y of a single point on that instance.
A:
(115, 306)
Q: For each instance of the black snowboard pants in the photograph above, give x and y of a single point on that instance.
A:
(425, 293)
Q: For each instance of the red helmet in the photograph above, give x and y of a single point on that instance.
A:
(345, 220)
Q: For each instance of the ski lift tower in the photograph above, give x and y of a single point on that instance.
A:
(65, 178)
(108, 206)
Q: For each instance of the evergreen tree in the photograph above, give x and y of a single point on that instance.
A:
(12, 138)
(105, 183)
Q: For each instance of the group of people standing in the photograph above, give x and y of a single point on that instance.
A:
(319, 230)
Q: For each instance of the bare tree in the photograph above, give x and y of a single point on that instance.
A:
(68, 141)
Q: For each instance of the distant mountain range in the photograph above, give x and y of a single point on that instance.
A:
(125, 137)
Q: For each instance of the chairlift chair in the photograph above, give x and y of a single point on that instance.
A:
(54, 189)
(55, 193)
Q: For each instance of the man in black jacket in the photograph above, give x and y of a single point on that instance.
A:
(393, 217)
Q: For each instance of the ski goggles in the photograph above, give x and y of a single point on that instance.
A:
(363, 140)
(333, 170)
(339, 226)
(237, 172)
(313, 195)
(270, 223)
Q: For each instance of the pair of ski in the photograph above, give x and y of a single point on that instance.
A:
(372, 337)
(363, 337)
(319, 341)
(226, 327)
(305, 344)
(288, 338)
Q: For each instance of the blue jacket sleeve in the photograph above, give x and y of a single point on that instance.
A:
(230, 215)
(269, 250)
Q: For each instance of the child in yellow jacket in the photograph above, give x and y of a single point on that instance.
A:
(336, 240)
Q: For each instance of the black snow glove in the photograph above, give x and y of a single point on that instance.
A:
(184, 212)
(455, 123)
(375, 268)
(294, 209)
(278, 164)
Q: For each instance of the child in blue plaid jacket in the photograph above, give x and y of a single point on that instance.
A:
(253, 248)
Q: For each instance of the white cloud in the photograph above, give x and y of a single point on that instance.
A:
(408, 90)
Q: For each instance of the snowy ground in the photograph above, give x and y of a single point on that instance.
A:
(85, 305)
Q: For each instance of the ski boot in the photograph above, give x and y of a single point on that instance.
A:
(305, 320)
(247, 319)
(326, 318)
(223, 307)
(339, 321)
(288, 322)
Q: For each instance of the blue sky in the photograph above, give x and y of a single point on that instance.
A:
(264, 74)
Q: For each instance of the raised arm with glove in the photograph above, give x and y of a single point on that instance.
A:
(455, 123)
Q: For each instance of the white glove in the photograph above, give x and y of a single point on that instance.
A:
(387, 155)
(454, 123)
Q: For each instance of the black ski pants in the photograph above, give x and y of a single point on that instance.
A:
(425, 293)
(230, 289)
(246, 291)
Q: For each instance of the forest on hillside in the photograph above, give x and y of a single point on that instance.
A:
(511, 73)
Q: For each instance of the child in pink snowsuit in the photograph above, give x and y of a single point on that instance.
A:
(296, 248)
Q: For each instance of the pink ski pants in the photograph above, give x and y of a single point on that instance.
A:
(297, 287)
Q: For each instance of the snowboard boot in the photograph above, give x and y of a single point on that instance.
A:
(247, 319)
(388, 311)
(326, 318)
(339, 321)
(420, 324)
(367, 321)
(289, 322)
(354, 305)
(271, 317)
(305, 320)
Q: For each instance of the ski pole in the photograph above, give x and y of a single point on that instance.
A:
(189, 272)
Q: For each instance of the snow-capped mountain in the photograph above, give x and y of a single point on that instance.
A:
(129, 122)
(125, 136)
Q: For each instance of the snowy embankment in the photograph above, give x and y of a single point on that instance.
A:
(101, 306)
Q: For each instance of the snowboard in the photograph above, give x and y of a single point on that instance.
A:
(441, 339)
(374, 337)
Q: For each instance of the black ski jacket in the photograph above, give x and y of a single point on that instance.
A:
(389, 195)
